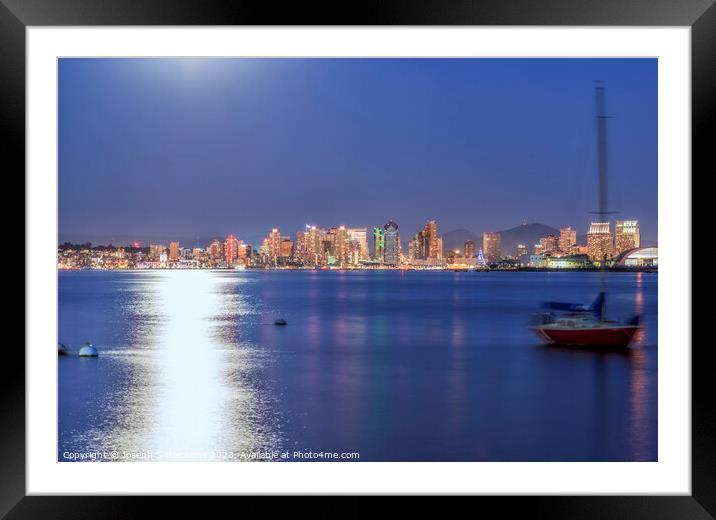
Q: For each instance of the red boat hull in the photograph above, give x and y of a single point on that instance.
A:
(617, 336)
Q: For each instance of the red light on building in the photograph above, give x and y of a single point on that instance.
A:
(231, 249)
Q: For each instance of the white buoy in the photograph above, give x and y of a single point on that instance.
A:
(88, 351)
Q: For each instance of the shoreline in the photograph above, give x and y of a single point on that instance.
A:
(446, 269)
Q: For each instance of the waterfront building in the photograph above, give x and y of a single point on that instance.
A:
(492, 246)
(391, 237)
(521, 250)
(535, 260)
(599, 241)
(231, 250)
(378, 245)
(567, 262)
(627, 236)
(638, 257)
(469, 249)
(567, 239)
(173, 251)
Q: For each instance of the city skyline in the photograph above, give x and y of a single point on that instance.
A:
(342, 247)
(179, 148)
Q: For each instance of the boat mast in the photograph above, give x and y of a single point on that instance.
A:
(602, 161)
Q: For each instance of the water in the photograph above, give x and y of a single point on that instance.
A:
(414, 366)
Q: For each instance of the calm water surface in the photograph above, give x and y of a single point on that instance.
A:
(429, 366)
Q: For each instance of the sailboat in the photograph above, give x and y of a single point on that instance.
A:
(582, 325)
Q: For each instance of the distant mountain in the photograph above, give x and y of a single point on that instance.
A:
(527, 234)
(456, 239)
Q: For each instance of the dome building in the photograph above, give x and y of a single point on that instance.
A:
(639, 257)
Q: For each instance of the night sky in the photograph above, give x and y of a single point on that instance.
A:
(167, 149)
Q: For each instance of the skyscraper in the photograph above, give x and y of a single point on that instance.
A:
(627, 236)
(340, 245)
(391, 236)
(360, 236)
(173, 251)
(492, 246)
(434, 244)
(469, 249)
(314, 245)
(274, 245)
(599, 241)
(300, 252)
(521, 250)
(378, 245)
(567, 239)
(231, 250)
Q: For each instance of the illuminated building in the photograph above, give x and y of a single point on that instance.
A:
(300, 251)
(391, 236)
(638, 257)
(566, 262)
(480, 262)
(549, 244)
(273, 245)
(340, 245)
(426, 244)
(215, 249)
(567, 239)
(286, 248)
(378, 245)
(231, 250)
(627, 236)
(434, 243)
(413, 249)
(360, 236)
(469, 249)
(450, 256)
(354, 252)
(156, 251)
(599, 242)
(314, 245)
(521, 250)
(173, 251)
(492, 246)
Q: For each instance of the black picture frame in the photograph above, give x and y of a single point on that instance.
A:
(16, 15)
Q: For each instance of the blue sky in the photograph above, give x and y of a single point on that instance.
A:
(176, 148)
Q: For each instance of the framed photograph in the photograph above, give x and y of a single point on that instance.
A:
(437, 249)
